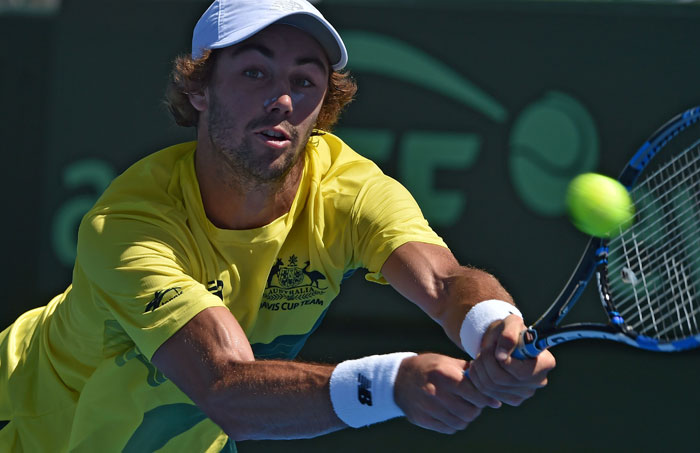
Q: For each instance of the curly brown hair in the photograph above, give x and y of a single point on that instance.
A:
(191, 76)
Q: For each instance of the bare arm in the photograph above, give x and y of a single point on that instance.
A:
(210, 360)
(431, 277)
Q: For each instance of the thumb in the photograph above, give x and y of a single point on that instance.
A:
(506, 342)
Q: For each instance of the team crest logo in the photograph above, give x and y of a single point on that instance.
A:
(290, 276)
(293, 282)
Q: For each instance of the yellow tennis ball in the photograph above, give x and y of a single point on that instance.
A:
(599, 205)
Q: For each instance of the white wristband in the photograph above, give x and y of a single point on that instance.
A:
(362, 390)
(479, 318)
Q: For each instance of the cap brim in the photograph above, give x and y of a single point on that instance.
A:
(324, 33)
(319, 29)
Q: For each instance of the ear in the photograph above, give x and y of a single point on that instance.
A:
(199, 99)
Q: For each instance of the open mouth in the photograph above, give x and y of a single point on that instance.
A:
(275, 134)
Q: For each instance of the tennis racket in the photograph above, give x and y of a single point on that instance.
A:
(648, 276)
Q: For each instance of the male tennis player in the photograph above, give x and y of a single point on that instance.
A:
(203, 268)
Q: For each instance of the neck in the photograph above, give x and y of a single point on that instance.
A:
(234, 202)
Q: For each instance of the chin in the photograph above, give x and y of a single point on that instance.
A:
(276, 171)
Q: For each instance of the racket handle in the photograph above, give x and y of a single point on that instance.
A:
(527, 345)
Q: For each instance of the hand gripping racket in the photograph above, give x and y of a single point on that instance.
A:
(648, 277)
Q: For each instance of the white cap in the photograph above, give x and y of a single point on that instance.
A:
(227, 22)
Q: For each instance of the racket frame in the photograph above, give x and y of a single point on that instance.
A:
(547, 332)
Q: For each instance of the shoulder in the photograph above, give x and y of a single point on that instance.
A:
(147, 198)
(153, 171)
(338, 167)
(149, 180)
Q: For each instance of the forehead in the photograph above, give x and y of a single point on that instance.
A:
(279, 41)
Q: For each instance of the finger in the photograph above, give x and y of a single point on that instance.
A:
(460, 418)
(428, 422)
(509, 396)
(532, 372)
(467, 391)
(503, 337)
(456, 402)
(512, 396)
(545, 363)
(507, 340)
(528, 372)
(450, 411)
(456, 412)
(512, 373)
(434, 381)
(480, 380)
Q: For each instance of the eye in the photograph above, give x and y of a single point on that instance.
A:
(253, 73)
(304, 82)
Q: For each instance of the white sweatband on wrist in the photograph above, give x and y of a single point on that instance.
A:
(362, 390)
(479, 318)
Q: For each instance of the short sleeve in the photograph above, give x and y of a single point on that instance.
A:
(386, 216)
(140, 271)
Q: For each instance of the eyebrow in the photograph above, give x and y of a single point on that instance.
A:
(314, 61)
(242, 48)
(267, 52)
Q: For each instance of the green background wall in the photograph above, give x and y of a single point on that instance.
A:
(485, 110)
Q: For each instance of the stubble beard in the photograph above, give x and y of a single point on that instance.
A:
(251, 170)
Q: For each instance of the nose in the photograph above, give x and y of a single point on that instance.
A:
(282, 103)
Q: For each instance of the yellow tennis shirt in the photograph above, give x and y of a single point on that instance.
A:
(76, 375)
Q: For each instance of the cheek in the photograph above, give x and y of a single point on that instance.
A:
(308, 107)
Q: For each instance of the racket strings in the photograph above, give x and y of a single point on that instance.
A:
(668, 220)
(669, 209)
(640, 302)
(670, 215)
(681, 172)
(665, 290)
(655, 265)
(681, 291)
(672, 315)
(652, 255)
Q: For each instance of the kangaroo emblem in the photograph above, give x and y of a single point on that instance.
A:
(274, 271)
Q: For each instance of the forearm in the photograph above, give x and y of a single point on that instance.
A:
(271, 400)
(286, 400)
(476, 313)
(463, 289)
(211, 361)
(431, 277)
